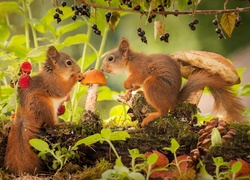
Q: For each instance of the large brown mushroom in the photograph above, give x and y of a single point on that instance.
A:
(193, 61)
(92, 78)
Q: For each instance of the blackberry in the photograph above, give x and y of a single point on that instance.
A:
(220, 36)
(162, 38)
(63, 3)
(176, 10)
(108, 16)
(195, 21)
(94, 26)
(218, 30)
(144, 39)
(141, 33)
(97, 31)
(167, 35)
(73, 7)
(56, 16)
(58, 10)
(189, 2)
(137, 8)
(238, 21)
(215, 22)
(59, 20)
(139, 29)
(74, 17)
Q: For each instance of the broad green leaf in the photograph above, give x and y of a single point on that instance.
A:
(106, 133)
(76, 39)
(182, 4)
(216, 137)
(17, 39)
(37, 25)
(136, 154)
(7, 7)
(174, 146)
(69, 27)
(4, 29)
(41, 50)
(228, 22)
(119, 136)
(39, 145)
(89, 140)
(236, 167)
(105, 93)
(152, 158)
(121, 169)
(136, 175)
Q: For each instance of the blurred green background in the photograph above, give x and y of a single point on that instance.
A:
(236, 48)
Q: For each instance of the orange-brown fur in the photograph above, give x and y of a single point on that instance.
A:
(160, 77)
(38, 108)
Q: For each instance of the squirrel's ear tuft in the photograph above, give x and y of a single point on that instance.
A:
(124, 47)
(52, 52)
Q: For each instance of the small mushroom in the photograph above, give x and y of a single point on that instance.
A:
(192, 61)
(92, 78)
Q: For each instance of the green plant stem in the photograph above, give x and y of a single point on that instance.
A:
(148, 172)
(177, 164)
(113, 148)
(104, 39)
(74, 101)
(26, 24)
(32, 28)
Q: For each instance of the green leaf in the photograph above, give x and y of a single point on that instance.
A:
(106, 133)
(236, 167)
(228, 22)
(37, 25)
(182, 4)
(216, 137)
(174, 146)
(152, 158)
(136, 175)
(76, 39)
(69, 27)
(119, 136)
(38, 51)
(105, 93)
(39, 145)
(7, 7)
(89, 140)
(4, 29)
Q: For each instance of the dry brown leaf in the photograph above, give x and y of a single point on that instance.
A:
(228, 22)
(158, 28)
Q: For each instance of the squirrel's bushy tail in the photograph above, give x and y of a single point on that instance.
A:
(226, 101)
(19, 157)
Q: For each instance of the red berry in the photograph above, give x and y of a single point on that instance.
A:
(24, 81)
(25, 68)
(61, 110)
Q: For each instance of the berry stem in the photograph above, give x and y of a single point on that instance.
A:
(100, 52)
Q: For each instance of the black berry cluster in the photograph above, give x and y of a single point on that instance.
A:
(81, 10)
(165, 37)
(95, 29)
(218, 29)
(57, 15)
(238, 21)
(193, 23)
(189, 2)
(141, 33)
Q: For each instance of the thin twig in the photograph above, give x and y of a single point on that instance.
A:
(165, 13)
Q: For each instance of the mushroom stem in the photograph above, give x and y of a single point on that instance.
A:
(195, 97)
(91, 98)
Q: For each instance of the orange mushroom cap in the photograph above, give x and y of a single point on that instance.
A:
(93, 76)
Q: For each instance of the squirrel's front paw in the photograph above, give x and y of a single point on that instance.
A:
(128, 94)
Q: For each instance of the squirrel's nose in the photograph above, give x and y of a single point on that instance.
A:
(80, 76)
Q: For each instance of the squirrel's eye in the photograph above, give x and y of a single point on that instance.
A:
(111, 58)
(69, 62)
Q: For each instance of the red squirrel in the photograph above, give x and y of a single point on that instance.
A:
(37, 109)
(160, 78)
